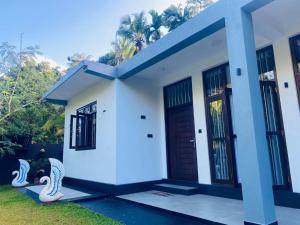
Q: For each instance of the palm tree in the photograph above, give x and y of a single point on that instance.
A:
(108, 59)
(122, 49)
(154, 33)
(174, 16)
(134, 29)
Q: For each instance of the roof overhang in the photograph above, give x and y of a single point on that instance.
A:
(78, 79)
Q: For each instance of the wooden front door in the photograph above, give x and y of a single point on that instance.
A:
(181, 144)
(295, 50)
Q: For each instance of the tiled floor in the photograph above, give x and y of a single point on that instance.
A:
(68, 192)
(221, 210)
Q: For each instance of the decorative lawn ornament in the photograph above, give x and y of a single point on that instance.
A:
(51, 192)
(21, 176)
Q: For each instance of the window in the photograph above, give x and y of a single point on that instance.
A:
(83, 128)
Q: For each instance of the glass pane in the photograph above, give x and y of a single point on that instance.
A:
(214, 82)
(228, 78)
(82, 131)
(219, 143)
(270, 107)
(93, 132)
(216, 112)
(179, 94)
(297, 53)
(73, 132)
(274, 147)
(266, 64)
(220, 160)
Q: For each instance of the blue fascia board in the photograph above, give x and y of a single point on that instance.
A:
(255, 4)
(94, 73)
(56, 101)
(176, 48)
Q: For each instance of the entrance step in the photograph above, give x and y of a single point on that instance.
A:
(176, 189)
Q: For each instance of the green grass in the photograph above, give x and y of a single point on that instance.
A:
(18, 209)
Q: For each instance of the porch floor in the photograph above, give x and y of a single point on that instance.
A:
(216, 209)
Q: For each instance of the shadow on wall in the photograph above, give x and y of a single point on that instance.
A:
(37, 155)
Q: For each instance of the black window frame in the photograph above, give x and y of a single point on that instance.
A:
(90, 129)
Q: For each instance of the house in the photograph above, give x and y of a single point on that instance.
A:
(215, 102)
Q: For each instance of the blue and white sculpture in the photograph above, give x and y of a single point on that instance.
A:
(21, 176)
(51, 192)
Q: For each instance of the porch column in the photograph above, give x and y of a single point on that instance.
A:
(253, 157)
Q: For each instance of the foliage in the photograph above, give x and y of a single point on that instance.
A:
(77, 58)
(10, 58)
(22, 111)
(196, 6)
(122, 49)
(17, 208)
(134, 28)
(174, 16)
(153, 32)
(8, 148)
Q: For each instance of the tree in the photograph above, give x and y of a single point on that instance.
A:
(196, 6)
(23, 82)
(153, 32)
(8, 148)
(10, 58)
(108, 59)
(22, 111)
(134, 27)
(122, 49)
(174, 16)
(77, 58)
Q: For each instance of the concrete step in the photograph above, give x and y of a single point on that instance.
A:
(176, 189)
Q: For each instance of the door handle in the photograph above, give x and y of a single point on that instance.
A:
(193, 141)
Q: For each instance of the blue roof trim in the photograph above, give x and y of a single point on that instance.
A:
(56, 101)
(91, 72)
(254, 5)
(176, 48)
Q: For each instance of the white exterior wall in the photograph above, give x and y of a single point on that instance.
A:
(97, 165)
(138, 157)
(289, 107)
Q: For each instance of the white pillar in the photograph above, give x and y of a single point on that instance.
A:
(253, 161)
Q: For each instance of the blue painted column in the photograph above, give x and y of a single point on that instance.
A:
(253, 158)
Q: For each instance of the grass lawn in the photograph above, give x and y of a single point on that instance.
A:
(18, 209)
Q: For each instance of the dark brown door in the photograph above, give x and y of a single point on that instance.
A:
(295, 50)
(181, 145)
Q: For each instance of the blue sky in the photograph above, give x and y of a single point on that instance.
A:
(64, 27)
